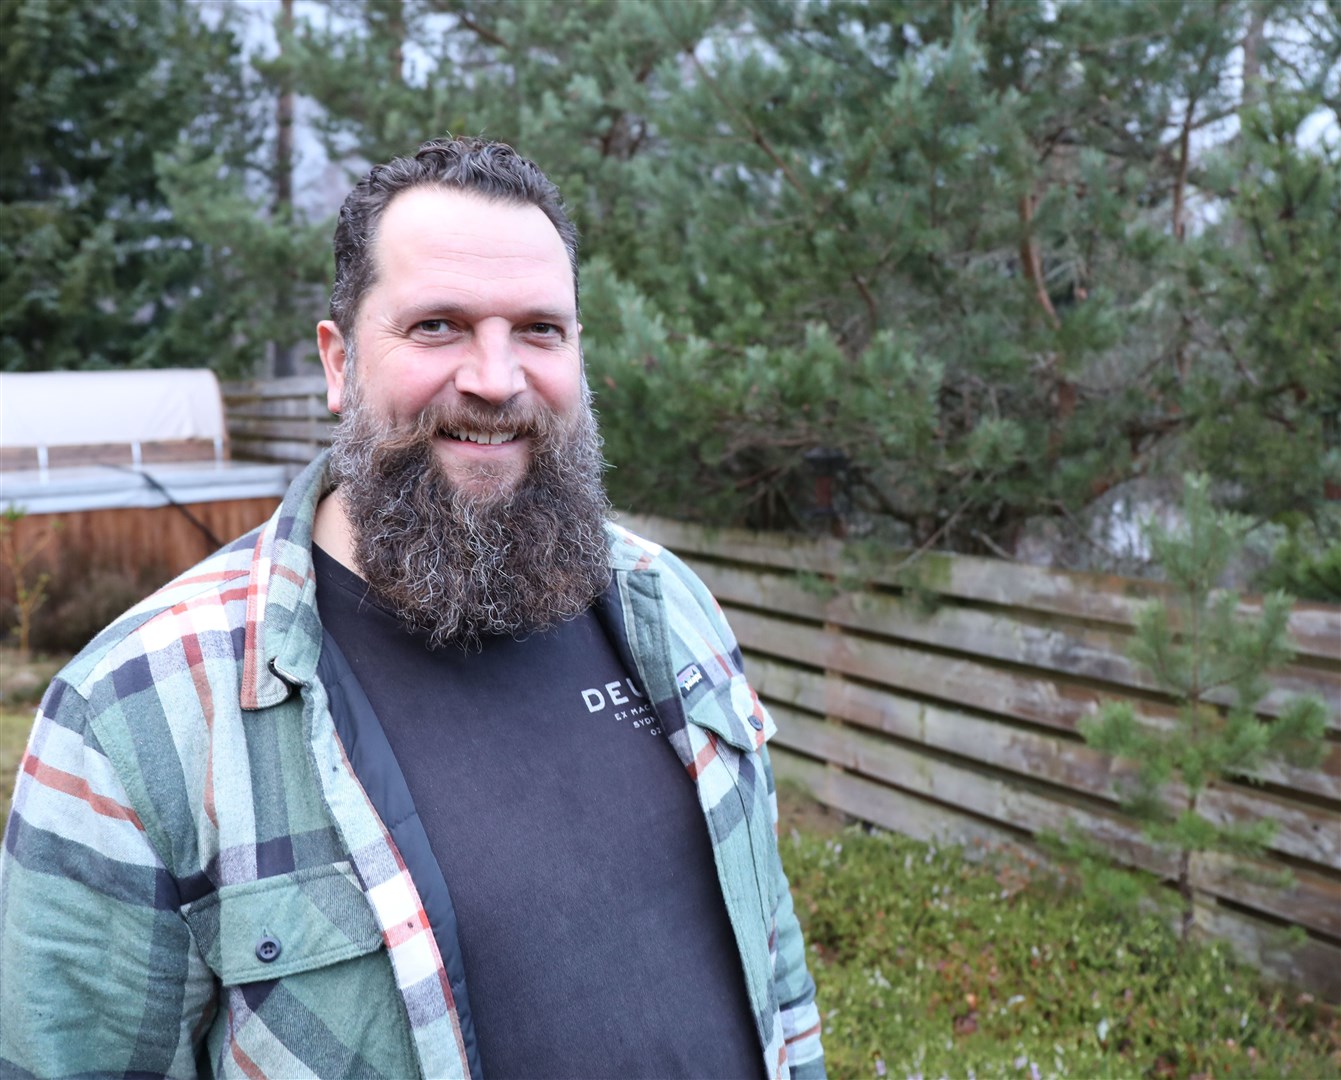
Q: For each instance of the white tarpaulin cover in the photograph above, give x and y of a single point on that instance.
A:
(79, 408)
(82, 408)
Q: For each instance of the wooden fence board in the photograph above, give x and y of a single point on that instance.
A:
(1077, 651)
(1019, 749)
(257, 448)
(889, 808)
(302, 408)
(1313, 900)
(291, 386)
(966, 682)
(1315, 629)
(311, 430)
(1313, 964)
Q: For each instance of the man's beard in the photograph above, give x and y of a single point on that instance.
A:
(460, 562)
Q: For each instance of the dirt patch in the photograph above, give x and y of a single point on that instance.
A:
(800, 810)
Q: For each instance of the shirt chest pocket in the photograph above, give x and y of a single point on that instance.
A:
(284, 925)
(301, 965)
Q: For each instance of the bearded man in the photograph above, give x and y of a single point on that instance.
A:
(436, 773)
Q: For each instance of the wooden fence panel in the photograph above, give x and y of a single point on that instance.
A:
(1005, 693)
(1029, 753)
(958, 719)
(282, 420)
(1315, 963)
(1076, 650)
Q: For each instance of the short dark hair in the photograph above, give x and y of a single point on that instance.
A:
(491, 169)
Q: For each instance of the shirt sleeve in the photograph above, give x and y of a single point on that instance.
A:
(792, 982)
(98, 971)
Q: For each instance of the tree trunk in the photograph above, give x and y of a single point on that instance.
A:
(1032, 260)
(283, 205)
(1252, 56)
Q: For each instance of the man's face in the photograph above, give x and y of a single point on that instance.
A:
(473, 318)
(466, 461)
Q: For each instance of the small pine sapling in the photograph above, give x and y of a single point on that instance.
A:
(17, 554)
(1201, 650)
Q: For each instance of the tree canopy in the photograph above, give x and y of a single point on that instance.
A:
(962, 266)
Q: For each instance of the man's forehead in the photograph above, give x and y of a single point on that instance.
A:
(412, 212)
(431, 226)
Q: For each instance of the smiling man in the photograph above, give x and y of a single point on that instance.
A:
(438, 772)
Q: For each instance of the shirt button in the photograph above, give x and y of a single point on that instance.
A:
(267, 949)
(756, 723)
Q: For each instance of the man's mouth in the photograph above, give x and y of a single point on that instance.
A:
(483, 438)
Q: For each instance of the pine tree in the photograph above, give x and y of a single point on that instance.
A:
(132, 135)
(1197, 647)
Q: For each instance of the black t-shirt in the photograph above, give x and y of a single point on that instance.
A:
(591, 922)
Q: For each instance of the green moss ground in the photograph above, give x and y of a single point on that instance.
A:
(929, 965)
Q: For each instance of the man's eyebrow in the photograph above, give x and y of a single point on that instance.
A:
(546, 315)
(469, 313)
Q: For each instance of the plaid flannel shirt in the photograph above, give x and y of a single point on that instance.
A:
(193, 880)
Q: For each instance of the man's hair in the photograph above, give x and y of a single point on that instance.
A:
(492, 170)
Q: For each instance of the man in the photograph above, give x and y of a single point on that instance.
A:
(436, 773)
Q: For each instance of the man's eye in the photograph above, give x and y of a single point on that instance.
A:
(543, 328)
(433, 326)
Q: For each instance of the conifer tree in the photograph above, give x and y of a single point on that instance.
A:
(130, 230)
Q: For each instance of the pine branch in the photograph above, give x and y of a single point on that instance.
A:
(1032, 260)
(481, 31)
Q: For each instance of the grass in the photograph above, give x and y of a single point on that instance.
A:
(22, 683)
(929, 965)
(14, 726)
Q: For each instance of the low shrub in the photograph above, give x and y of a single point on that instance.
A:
(81, 601)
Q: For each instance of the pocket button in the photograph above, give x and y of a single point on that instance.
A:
(267, 949)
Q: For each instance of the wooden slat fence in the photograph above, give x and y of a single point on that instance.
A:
(955, 721)
(281, 420)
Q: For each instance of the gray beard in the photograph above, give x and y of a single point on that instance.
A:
(456, 564)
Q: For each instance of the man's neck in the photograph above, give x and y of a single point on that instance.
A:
(332, 532)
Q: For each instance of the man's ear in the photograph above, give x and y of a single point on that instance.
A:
(331, 346)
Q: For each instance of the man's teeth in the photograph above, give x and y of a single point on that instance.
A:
(483, 438)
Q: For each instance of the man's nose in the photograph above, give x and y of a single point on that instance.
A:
(492, 370)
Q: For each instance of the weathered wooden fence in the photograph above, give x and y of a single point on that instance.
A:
(955, 720)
